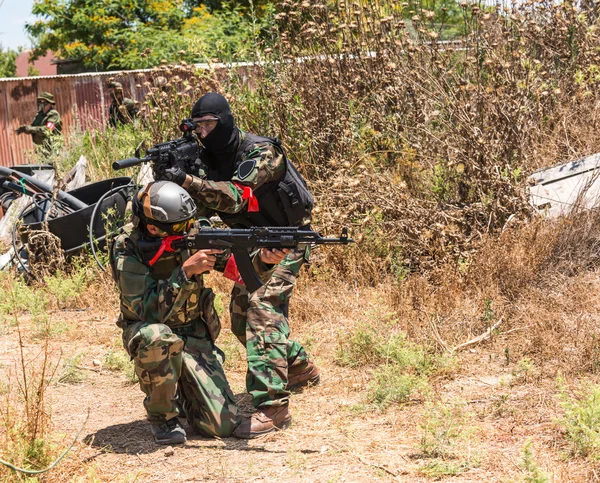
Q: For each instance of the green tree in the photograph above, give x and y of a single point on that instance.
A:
(128, 34)
(8, 66)
(108, 34)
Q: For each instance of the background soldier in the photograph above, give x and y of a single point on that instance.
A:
(168, 318)
(249, 181)
(46, 127)
(122, 110)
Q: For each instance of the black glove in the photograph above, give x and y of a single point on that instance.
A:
(176, 174)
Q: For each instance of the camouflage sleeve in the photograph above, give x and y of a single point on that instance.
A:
(217, 195)
(261, 165)
(52, 122)
(142, 297)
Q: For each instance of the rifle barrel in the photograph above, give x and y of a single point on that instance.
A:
(128, 163)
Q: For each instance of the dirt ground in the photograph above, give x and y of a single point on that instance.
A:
(330, 440)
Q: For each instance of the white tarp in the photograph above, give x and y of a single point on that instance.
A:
(556, 190)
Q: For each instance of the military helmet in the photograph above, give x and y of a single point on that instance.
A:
(164, 204)
(46, 96)
(115, 85)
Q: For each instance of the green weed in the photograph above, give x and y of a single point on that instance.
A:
(119, 361)
(525, 371)
(581, 419)
(533, 473)
(71, 373)
(446, 439)
(390, 386)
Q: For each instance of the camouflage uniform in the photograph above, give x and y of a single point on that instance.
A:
(169, 327)
(45, 131)
(122, 112)
(259, 320)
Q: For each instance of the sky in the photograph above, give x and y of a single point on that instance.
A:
(13, 16)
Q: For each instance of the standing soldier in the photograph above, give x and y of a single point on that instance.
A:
(46, 127)
(248, 181)
(122, 110)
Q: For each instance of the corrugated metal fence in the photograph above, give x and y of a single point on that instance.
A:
(81, 98)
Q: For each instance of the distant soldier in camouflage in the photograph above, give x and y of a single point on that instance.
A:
(248, 181)
(122, 110)
(168, 317)
(46, 127)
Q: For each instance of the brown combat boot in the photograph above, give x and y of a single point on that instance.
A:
(263, 421)
(310, 376)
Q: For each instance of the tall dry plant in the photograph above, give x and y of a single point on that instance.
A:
(373, 104)
(24, 415)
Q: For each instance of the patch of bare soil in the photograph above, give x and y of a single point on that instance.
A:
(335, 436)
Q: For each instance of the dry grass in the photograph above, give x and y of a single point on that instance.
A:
(337, 434)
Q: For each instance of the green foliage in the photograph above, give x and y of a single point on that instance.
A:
(100, 147)
(581, 419)
(401, 368)
(67, 288)
(227, 35)
(446, 439)
(525, 371)
(390, 386)
(119, 361)
(71, 372)
(122, 35)
(8, 66)
(106, 35)
(18, 297)
(368, 345)
(533, 473)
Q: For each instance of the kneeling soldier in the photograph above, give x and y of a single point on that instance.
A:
(169, 320)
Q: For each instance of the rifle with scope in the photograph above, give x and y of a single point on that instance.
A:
(241, 242)
(180, 152)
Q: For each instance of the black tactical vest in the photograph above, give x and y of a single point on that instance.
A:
(285, 202)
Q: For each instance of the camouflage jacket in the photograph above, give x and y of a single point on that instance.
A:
(45, 125)
(162, 293)
(269, 165)
(122, 112)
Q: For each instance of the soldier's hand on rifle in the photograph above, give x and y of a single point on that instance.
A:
(200, 262)
(176, 174)
(273, 256)
(20, 129)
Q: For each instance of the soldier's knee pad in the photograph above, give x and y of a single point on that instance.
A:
(153, 337)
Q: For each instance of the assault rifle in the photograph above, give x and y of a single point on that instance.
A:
(241, 241)
(179, 152)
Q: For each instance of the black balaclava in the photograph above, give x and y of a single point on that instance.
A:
(222, 142)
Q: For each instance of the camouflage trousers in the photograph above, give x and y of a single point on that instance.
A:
(187, 366)
(259, 321)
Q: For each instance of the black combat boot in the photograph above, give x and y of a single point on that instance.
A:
(168, 433)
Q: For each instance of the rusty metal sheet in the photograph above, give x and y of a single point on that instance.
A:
(89, 98)
(6, 156)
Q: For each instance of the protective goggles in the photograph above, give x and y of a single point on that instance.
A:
(207, 124)
(174, 228)
(181, 227)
